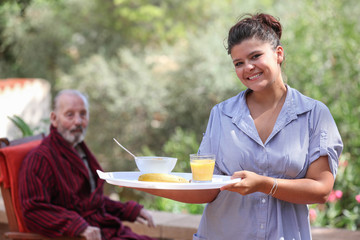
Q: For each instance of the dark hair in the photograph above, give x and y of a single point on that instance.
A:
(260, 26)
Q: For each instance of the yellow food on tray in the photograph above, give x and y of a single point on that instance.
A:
(162, 177)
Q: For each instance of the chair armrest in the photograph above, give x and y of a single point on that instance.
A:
(20, 235)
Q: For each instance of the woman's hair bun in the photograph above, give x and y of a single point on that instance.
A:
(269, 21)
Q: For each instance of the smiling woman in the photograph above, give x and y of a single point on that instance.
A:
(284, 146)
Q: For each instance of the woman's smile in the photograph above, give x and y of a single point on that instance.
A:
(253, 77)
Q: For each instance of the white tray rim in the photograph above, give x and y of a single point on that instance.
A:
(129, 179)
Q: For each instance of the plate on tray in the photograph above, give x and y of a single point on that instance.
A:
(130, 179)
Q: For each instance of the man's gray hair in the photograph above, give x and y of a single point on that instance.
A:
(73, 92)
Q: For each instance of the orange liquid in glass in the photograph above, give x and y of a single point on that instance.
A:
(202, 170)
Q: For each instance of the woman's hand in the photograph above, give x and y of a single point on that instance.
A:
(250, 183)
(315, 187)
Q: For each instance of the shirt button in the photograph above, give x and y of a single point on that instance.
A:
(262, 226)
(263, 200)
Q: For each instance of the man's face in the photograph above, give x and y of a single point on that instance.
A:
(71, 118)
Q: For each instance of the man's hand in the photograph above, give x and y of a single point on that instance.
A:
(91, 233)
(144, 217)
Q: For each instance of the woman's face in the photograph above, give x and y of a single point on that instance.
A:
(257, 64)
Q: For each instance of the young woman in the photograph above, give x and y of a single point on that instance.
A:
(283, 145)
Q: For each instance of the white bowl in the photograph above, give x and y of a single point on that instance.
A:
(152, 164)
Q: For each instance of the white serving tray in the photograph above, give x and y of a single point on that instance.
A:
(130, 179)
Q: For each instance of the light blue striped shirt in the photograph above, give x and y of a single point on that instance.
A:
(304, 131)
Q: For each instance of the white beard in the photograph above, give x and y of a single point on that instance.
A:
(73, 138)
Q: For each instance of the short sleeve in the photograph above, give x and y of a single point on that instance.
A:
(325, 139)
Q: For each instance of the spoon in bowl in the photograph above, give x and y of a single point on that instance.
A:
(124, 148)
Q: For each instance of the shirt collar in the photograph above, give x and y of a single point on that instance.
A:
(295, 104)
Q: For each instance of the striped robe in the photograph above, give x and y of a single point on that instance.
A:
(56, 198)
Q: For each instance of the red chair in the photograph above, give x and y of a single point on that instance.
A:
(11, 157)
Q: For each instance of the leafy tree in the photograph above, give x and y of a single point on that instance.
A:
(56, 35)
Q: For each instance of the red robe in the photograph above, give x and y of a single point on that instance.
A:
(55, 194)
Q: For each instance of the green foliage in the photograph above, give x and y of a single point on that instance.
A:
(341, 211)
(180, 145)
(170, 20)
(26, 129)
(40, 38)
(168, 205)
(21, 125)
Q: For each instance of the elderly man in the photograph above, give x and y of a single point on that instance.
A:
(61, 194)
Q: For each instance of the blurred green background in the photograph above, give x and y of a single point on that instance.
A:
(154, 68)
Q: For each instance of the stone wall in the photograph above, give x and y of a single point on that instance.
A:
(27, 98)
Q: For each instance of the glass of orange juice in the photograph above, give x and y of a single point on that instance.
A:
(202, 167)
